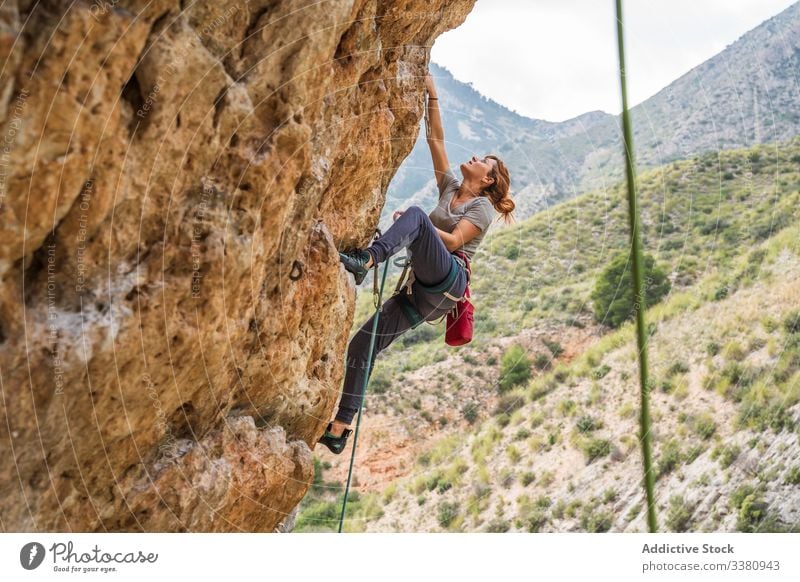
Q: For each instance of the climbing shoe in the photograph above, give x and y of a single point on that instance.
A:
(334, 443)
(354, 262)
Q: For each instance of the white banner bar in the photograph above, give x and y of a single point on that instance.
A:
(389, 557)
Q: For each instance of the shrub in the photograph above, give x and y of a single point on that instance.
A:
(670, 457)
(737, 497)
(541, 361)
(751, 508)
(694, 452)
(587, 424)
(379, 381)
(704, 426)
(498, 525)
(596, 522)
(512, 252)
(633, 512)
(793, 476)
(554, 347)
(522, 434)
(566, 407)
(721, 293)
(433, 481)
(320, 514)
(601, 372)
(470, 412)
(677, 368)
(733, 351)
(515, 368)
(447, 513)
(679, 516)
(726, 454)
(508, 403)
(534, 520)
(792, 322)
(613, 298)
(596, 448)
(527, 478)
(531, 516)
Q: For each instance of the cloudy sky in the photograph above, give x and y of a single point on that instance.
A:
(555, 59)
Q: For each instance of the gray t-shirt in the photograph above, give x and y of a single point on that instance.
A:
(479, 211)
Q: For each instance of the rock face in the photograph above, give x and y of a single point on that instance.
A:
(175, 180)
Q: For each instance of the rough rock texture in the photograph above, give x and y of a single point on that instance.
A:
(175, 180)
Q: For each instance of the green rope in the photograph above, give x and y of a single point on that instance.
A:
(638, 264)
(366, 380)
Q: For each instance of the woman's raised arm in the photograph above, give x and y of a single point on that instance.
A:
(436, 135)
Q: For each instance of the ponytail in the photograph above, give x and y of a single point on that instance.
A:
(497, 193)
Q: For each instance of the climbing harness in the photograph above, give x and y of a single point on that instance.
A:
(638, 287)
(404, 289)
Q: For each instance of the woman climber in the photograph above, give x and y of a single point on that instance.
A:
(459, 222)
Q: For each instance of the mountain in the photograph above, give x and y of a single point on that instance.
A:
(745, 95)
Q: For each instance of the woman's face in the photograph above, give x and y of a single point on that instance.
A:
(479, 169)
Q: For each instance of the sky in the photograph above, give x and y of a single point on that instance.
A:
(556, 59)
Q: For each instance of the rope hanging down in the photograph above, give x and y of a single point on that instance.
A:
(637, 267)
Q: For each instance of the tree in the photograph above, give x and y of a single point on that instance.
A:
(613, 297)
(515, 368)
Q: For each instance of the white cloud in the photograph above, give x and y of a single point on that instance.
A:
(555, 59)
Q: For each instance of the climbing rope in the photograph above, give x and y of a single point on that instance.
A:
(638, 264)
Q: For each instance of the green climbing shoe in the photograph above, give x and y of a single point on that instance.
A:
(354, 262)
(334, 443)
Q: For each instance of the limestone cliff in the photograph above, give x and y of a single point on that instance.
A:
(175, 179)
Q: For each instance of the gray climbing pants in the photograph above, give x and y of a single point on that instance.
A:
(431, 264)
